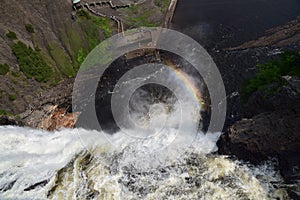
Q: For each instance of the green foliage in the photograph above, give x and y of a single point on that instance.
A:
(29, 28)
(163, 4)
(11, 35)
(271, 72)
(4, 113)
(101, 55)
(84, 14)
(133, 9)
(31, 62)
(11, 97)
(104, 25)
(91, 26)
(61, 59)
(4, 68)
(139, 16)
(15, 74)
(81, 56)
(11, 115)
(141, 20)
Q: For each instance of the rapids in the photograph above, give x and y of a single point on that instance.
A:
(65, 165)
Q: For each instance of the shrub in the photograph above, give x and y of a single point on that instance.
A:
(4, 113)
(29, 28)
(11, 97)
(163, 4)
(4, 68)
(11, 35)
(288, 63)
(139, 17)
(15, 74)
(84, 13)
(104, 25)
(81, 55)
(31, 62)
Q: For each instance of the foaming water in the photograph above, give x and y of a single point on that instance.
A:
(65, 165)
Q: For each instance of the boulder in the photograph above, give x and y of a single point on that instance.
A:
(265, 135)
(6, 121)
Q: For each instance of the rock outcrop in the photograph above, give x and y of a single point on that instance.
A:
(52, 110)
(275, 132)
(10, 121)
(274, 98)
(264, 135)
(288, 34)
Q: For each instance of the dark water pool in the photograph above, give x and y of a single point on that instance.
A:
(224, 23)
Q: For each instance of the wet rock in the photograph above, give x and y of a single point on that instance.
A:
(284, 35)
(267, 134)
(36, 185)
(274, 97)
(7, 186)
(5, 121)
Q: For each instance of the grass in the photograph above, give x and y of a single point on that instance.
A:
(92, 27)
(31, 62)
(99, 22)
(10, 115)
(141, 20)
(15, 74)
(29, 28)
(4, 69)
(83, 14)
(11, 35)
(61, 59)
(162, 4)
(5, 113)
(271, 72)
(104, 25)
(139, 16)
(102, 56)
(81, 55)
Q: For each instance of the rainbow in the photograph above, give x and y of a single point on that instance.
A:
(190, 86)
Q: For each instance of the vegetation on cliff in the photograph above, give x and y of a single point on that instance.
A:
(142, 16)
(270, 73)
(163, 4)
(4, 69)
(31, 62)
(29, 28)
(11, 35)
(87, 32)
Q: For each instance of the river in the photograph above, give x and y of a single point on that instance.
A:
(225, 23)
(41, 165)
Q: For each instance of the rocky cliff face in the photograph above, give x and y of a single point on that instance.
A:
(53, 37)
(51, 33)
(37, 35)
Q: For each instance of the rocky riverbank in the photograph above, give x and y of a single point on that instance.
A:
(272, 129)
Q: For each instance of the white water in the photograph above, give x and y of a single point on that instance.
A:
(174, 162)
(127, 170)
